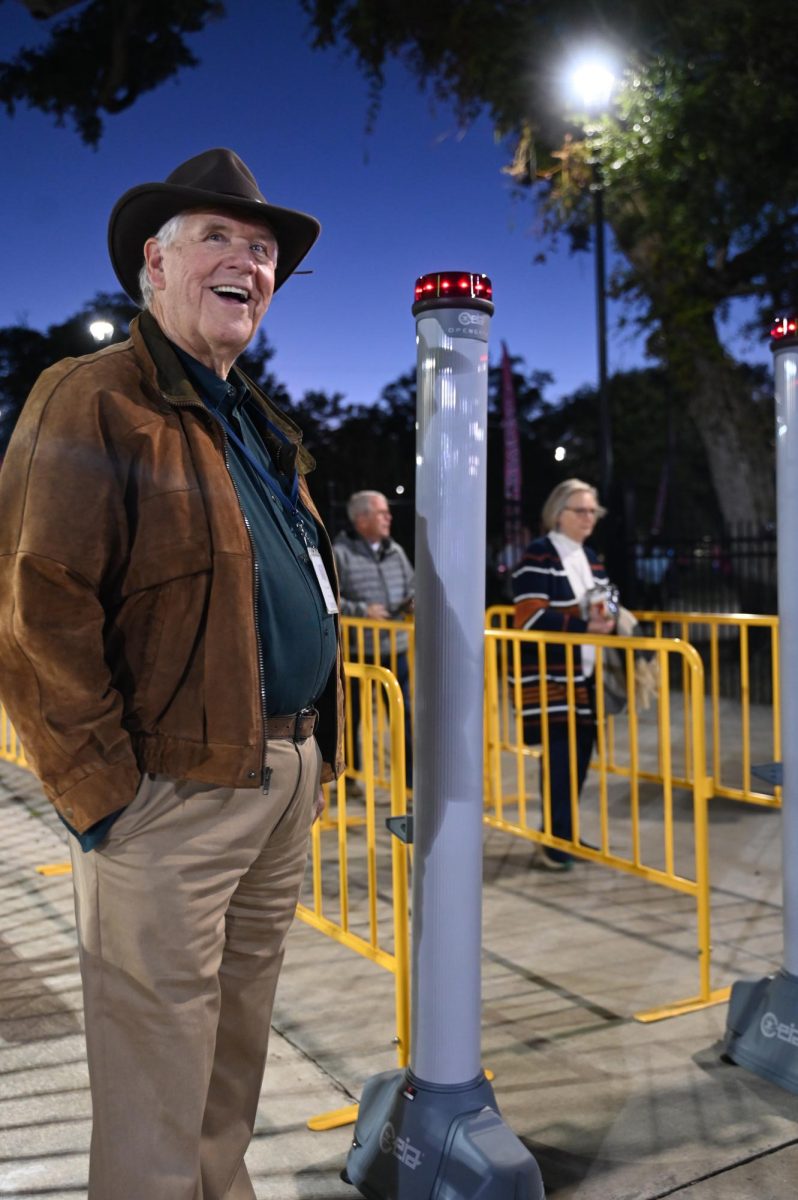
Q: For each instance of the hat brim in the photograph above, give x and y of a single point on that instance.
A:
(141, 212)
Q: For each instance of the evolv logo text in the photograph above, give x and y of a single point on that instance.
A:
(772, 1027)
(401, 1148)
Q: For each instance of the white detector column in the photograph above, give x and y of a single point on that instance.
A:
(434, 1131)
(453, 311)
(760, 1027)
(785, 369)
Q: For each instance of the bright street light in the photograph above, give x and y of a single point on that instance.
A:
(592, 81)
(559, 454)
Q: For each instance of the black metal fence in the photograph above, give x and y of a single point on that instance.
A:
(733, 572)
(729, 573)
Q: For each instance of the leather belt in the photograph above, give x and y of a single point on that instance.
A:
(297, 727)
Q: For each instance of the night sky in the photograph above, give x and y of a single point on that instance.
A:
(415, 195)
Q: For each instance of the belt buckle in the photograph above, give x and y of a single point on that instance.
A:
(306, 712)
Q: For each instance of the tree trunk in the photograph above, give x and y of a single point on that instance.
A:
(741, 461)
(740, 456)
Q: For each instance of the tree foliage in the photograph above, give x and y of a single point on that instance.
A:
(101, 59)
(697, 166)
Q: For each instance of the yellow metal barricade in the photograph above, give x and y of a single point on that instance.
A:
(733, 631)
(732, 779)
(363, 846)
(11, 749)
(638, 844)
(361, 639)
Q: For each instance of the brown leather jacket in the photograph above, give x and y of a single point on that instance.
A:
(127, 610)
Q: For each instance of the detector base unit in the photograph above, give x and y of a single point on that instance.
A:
(423, 1141)
(762, 1028)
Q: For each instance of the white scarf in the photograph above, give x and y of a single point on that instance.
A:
(580, 576)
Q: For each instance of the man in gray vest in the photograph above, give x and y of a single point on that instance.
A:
(376, 580)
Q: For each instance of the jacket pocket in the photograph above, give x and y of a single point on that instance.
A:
(166, 626)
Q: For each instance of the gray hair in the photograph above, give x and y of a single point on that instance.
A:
(166, 236)
(359, 504)
(558, 499)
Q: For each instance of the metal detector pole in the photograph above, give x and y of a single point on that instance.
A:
(762, 1028)
(451, 449)
(434, 1132)
(785, 367)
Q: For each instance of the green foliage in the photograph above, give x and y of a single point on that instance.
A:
(700, 172)
(697, 158)
(695, 161)
(103, 58)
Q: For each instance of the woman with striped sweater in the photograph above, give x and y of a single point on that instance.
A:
(550, 591)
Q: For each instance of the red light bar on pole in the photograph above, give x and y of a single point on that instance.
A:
(784, 327)
(456, 285)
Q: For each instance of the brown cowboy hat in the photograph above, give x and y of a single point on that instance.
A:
(215, 179)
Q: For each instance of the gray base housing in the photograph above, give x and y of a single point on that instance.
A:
(762, 1028)
(420, 1141)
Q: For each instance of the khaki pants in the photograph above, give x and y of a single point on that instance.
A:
(182, 916)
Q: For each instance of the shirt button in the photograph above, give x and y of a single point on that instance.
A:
(69, 812)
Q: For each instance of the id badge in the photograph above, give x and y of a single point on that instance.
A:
(324, 583)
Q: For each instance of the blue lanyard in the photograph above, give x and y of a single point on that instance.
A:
(289, 503)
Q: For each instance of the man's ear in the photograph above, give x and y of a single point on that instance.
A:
(153, 258)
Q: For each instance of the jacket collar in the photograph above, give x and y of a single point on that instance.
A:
(168, 377)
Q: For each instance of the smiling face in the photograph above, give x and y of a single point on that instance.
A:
(212, 285)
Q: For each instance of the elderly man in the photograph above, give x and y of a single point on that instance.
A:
(168, 646)
(376, 581)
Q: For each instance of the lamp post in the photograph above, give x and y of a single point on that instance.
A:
(592, 81)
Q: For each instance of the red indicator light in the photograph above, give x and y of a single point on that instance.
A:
(784, 327)
(441, 284)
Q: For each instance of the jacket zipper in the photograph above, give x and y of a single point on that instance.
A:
(266, 770)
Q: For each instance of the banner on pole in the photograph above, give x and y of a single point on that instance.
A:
(513, 539)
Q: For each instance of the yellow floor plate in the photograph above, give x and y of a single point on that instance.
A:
(335, 1119)
(62, 868)
(694, 1004)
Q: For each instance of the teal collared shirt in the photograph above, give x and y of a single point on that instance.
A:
(297, 634)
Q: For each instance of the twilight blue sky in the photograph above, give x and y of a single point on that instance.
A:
(412, 196)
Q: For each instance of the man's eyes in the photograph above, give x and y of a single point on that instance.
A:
(264, 251)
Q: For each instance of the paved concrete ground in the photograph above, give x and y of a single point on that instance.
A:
(612, 1109)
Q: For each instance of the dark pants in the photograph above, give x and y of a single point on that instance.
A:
(403, 679)
(560, 777)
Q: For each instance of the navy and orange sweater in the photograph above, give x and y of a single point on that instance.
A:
(545, 602)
